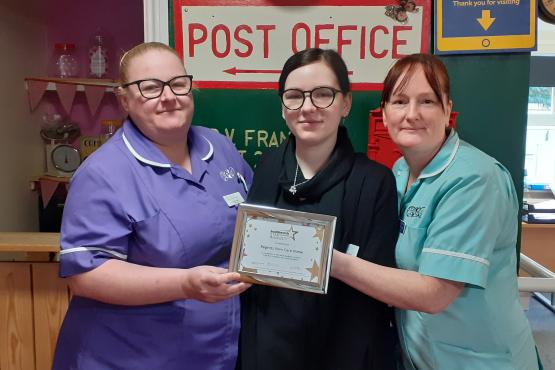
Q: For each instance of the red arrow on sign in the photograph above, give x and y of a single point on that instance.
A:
(234, 71)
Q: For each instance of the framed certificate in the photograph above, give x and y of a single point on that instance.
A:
(283, 248)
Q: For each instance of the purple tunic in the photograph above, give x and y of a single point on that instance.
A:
(128, 202)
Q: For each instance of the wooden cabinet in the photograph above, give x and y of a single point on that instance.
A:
(33, 302)
(538, 243)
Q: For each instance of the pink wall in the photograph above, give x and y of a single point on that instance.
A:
(77, 21)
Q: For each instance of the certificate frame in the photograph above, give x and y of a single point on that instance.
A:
(267, 250)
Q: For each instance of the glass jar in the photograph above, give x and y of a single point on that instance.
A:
(108, 129)
(98, 58)
(64, 60)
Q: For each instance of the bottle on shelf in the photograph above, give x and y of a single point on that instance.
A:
(108, 129)
(98, 57)
(64, 63)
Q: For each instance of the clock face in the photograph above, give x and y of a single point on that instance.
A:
(547, 10)
(66, 158)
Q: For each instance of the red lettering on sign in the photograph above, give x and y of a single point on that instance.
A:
(397, 42)
(192, 40)
(294, 32)
(373, 42)
(227, 35)
(265, 28)
(341, 40)
(247, 53)
(362, 47)
(318, 40)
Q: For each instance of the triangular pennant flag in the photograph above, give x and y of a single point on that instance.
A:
(94, 96)
(47, 190)
(66, 92)
(35, 91)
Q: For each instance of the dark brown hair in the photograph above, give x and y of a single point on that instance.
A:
(308, 56)
(433, 68)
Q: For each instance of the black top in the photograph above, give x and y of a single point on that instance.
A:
(285, 329)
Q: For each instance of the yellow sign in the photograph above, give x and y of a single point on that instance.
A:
(485, 26)
(88, 145)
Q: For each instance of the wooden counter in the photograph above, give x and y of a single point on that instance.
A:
(538, 243)
(30, 242)
(33, 301)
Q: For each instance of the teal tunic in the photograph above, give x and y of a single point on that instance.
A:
(459, 222)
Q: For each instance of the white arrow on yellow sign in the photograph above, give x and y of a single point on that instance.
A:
(486, 21)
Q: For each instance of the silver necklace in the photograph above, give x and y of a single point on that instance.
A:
(293, 188)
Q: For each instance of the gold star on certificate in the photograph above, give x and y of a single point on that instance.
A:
(319, 233)
(313, 270)
(292, 233)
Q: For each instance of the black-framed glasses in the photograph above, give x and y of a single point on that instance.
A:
(321, 97)
(152, 88)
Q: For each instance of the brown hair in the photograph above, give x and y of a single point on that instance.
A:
(137, 51)
(433, 68)
(312, 55)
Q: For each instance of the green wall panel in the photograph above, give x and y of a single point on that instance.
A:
(252, 118)
(491, 94)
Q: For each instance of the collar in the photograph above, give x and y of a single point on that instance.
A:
(144, 150)
(441, 160)
(335, 170)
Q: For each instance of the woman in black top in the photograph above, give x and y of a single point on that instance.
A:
(316, 170)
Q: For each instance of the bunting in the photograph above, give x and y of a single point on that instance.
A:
(66, 93)
(35, 91)
(94, 95)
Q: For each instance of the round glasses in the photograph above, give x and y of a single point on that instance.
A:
(152, 88)
(321, 97)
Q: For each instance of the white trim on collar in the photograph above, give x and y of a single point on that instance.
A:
(210, 151)
(447, 163)
(141, 158)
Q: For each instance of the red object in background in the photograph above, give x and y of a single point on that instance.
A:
(380, 146)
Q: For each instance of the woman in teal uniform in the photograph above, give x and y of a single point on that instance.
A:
(456, 285)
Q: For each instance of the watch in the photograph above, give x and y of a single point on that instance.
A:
(547, 11)
(66, 158)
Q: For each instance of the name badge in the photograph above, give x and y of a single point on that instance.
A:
(352, 250)
(233, 199)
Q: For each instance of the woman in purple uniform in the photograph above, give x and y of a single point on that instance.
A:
(147, 230)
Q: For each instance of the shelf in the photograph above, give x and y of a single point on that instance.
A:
(80, 82)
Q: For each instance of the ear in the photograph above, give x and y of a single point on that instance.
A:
(448, 109)
(122, 98)
(384, 117)
(283, 112)
(347, 103)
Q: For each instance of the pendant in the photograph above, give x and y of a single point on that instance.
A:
(293, 189)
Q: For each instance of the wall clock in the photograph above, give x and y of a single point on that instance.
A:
(547, 11)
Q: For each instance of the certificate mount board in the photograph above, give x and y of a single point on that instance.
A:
(283, 248)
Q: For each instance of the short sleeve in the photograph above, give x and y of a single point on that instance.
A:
(464, 230)
(94, 226)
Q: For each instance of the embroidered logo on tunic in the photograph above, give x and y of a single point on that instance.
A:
(228, 174)
(413, 211)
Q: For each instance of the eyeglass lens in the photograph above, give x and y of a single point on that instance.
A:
(180, 85)
(321, 97)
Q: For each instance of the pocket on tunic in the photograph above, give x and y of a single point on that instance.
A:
(448, 356)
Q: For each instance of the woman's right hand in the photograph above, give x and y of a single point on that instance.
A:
(212, 284)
